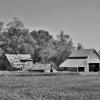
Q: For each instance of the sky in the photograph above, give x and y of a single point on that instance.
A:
(78, 18)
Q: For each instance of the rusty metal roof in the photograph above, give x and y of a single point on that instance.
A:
(15, 60)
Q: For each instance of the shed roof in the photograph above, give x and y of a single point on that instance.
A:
(41, 67)
(72, 63)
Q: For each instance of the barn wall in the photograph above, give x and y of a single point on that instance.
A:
(93, 58)
(85, 65)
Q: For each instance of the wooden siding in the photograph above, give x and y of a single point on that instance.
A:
(93, 58)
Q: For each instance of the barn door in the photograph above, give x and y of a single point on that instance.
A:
(93, 67)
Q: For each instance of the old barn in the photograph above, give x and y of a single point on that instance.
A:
(84, 60)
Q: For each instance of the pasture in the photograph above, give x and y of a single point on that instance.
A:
(50, 87)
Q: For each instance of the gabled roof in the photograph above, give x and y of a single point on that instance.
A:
(83, 53)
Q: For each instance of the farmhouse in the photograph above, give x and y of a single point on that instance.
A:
(15, 62)
(84, 60)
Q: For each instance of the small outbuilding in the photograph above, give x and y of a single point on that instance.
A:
(42, 68)
(83, 60)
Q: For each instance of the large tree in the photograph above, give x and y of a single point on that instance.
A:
(41, 36)
(16, 38)
(64, 47)
(43, 51)
(48, 52)
(50, 49)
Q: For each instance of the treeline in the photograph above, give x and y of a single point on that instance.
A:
(44, 48)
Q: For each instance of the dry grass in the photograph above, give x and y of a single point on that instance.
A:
(59, 87)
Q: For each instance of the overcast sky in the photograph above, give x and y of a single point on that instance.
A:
(79, 17)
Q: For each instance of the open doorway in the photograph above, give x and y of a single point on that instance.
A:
(81, 69)
(93, 67)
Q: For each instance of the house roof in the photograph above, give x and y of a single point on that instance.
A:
(82, 53)
(72, 63)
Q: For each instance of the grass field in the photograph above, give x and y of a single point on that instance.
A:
(59, 87)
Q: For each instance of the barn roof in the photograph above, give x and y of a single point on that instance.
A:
(83, 53)
(72, 63)
(15, 60)
(19, 56)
